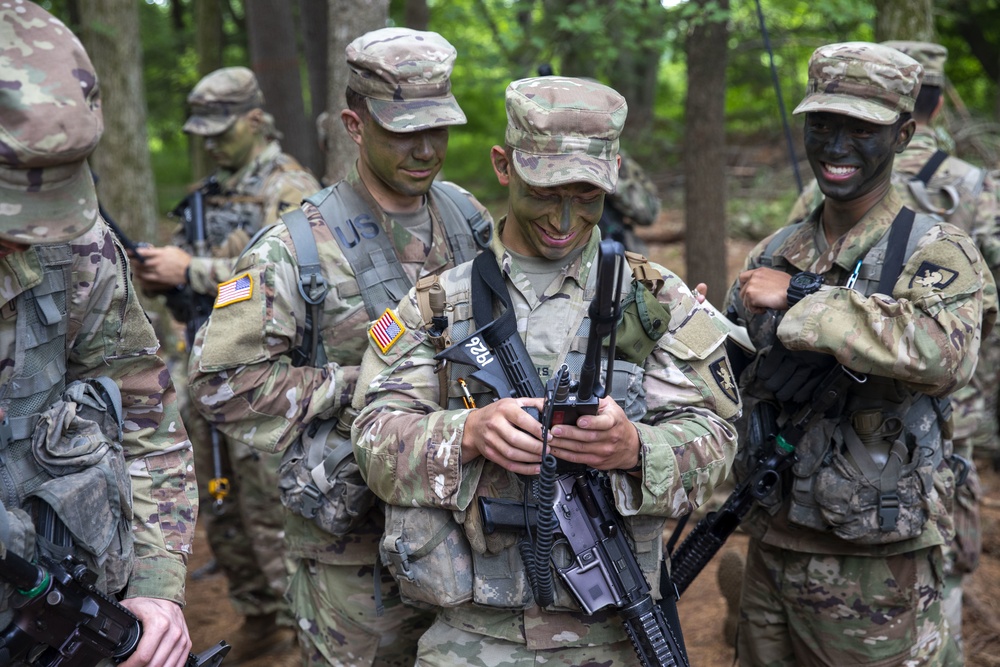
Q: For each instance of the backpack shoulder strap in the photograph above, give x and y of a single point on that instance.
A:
(313, 287)
(767, 257)
(462, 222)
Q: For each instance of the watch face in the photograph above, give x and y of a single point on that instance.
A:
(806, 280)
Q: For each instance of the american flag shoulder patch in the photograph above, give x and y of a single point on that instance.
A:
(239, 288)
(386, 330)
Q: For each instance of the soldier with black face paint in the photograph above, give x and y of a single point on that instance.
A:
(845, 559)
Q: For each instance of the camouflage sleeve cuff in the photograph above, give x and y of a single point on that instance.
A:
(158, 577)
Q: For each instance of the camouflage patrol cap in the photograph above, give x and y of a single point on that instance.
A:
(863, 80)
(220, 98)
(405, 77)
(565, 130)
(51, 121)
(931, 57)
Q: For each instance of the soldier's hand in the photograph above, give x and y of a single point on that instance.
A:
(505, 434)
(764, 288)
(165, 641)
(606, 441)
(162, 268)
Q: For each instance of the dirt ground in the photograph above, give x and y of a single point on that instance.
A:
(702, 610)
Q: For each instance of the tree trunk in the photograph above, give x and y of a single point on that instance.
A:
(314, 15)
(109, 30)
(348, 20)
(274, 58)
(704, 155)
(209, 41)
(904, 20)
(416, 14)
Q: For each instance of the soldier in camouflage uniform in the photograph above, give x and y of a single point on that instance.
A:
(257, 182)
(67, 302)
(965, 196)
(845, 563)
(665, 446)
(247, 373)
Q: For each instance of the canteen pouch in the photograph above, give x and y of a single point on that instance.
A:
(426, 552)
(319, 479)
(77, 446)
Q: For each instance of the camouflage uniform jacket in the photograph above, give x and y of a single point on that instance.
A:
(242, 375)
(926, 337)
(252, 198)
(109, 335)
(407, 444)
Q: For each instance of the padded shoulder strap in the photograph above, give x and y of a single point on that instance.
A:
(767, 257)
(931, 166)
(313, 286)
(455, 208)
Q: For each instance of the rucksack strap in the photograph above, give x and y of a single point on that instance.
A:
(313, 287)
(897, 250)
(477, 223)
(931, 166)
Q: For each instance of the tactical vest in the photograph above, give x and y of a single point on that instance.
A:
(441, 558)
(318, 477)
(61, 459)
(865, 475)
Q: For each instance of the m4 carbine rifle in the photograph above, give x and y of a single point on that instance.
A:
(708, 536)
(574, 502)
(62, 620)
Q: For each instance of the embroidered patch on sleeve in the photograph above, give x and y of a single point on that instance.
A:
(386, 330)
(723, 377)
(239, 288)
(931, 275)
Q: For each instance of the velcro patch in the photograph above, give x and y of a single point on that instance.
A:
(930, 275)
(238, 289)
(723, 376)
(386, 330)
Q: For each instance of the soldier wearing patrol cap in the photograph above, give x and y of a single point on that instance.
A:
(255, 182)
(96, 460)
(278, 361)
(886, 309)
(664, 436)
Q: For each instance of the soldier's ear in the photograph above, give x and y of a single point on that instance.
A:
(255, 117)
(353, 124)
(904, 135)
(501, 165)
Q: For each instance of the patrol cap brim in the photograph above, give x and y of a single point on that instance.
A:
(49, 205)
(415, 115)
(848, 105)
(546, 171)
(206, 126)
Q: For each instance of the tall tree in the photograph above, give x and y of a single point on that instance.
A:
(209, 40)
(274, 58)
(109, 30)
(704, 147)
(314, 19)
(904, 19)
(416, 14)
(348, 20)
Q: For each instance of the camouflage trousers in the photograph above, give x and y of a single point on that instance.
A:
(337, 622)
(813, 609)
(447, 646)
(975, 405)
(247, 538)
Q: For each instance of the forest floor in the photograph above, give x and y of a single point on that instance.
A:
(703, 609)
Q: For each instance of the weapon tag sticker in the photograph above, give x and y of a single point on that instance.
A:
(386, 330)
(723, 377)
(239, 288)
(931, 275)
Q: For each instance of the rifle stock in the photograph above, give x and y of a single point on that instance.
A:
(62, 620)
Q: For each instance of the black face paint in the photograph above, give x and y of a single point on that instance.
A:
(849, 157)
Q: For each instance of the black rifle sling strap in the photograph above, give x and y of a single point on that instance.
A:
(931, 166)
(897, 250)
(487, 282)
(313, 287)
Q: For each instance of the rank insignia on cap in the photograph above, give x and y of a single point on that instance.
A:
(386, 330)
(932, 275)
(723, 377)
(239, 288)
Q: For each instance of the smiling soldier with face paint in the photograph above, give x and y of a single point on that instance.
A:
(901, 300)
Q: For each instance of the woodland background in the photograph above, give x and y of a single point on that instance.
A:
(704, 117)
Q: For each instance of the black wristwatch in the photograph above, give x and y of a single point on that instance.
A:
(803, 284)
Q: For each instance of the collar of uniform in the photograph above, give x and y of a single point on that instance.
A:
(867, 231)
(19, 272)
(270, 153)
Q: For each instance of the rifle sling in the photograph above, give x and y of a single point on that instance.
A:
(488, 282)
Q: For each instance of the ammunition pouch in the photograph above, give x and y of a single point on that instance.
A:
(81, 483)
(319, 479)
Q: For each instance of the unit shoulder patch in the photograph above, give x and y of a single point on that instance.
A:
(930, 275)
(232, 291)
(723, 376)
(386, 330)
